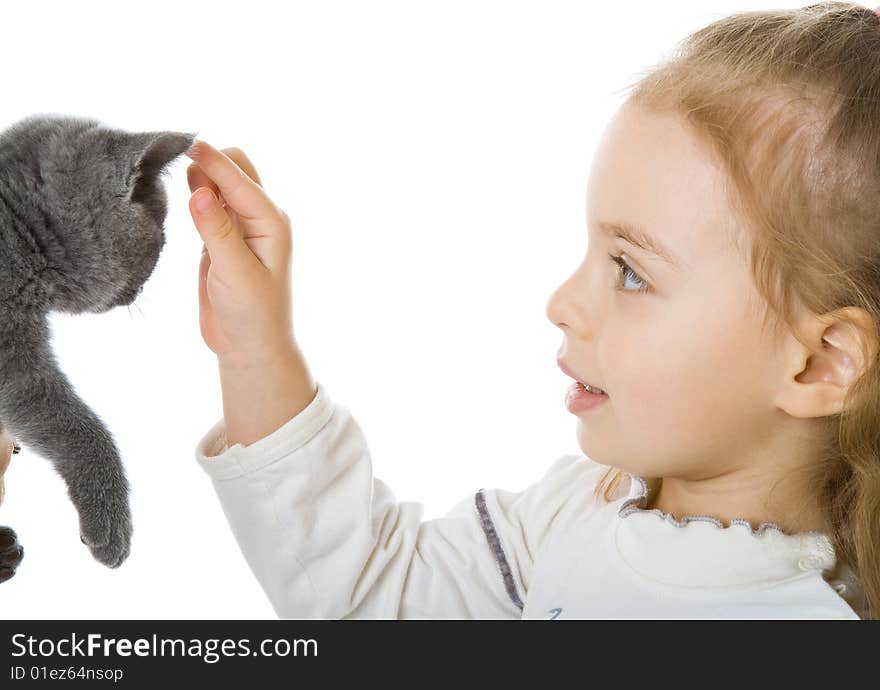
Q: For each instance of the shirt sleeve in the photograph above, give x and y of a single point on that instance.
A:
(327, 539)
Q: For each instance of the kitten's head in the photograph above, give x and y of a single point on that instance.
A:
(92, 205)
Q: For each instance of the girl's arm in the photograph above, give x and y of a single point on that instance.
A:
(326, 539)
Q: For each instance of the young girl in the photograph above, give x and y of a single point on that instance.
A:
(722, 331)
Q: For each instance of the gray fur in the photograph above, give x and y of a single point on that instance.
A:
(82, 208)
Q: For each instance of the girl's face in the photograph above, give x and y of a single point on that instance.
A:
(686, 365)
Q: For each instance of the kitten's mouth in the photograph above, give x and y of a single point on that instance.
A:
(128, 296)
(136, 283)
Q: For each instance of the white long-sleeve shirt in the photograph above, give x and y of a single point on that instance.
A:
(327, 539)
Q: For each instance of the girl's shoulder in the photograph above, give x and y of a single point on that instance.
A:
(580, 473)
(565, 492)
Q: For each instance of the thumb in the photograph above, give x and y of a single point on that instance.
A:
(226, 247)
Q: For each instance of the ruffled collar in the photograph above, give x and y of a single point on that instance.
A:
(699, 551)
(638, 498)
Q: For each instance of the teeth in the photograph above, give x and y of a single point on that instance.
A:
(593, 389)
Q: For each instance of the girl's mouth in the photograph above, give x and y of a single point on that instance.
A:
(579, 398)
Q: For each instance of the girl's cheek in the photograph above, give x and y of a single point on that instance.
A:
(658, 381)
(640, 369)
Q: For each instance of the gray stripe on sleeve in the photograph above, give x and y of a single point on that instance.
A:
(495, 545)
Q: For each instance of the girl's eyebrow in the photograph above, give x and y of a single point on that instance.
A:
(638, 238)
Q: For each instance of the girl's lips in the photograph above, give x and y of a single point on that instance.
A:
(571, 374)
(579, 399)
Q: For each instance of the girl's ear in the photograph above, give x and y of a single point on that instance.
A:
(839, 348)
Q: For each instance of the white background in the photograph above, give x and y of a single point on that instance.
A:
(433, 157)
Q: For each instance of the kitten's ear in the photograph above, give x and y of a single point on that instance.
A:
(153, 151)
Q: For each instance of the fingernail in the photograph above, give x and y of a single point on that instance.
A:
(204, 200)
(192, 149)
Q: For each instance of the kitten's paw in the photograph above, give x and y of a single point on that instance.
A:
(11, 553)
(106, 530)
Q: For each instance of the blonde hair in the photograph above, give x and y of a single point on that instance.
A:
(788, 102)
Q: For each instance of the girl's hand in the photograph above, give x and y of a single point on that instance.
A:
(11, 551)
(244, 277)
(7, 448)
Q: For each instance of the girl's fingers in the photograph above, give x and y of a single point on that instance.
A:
(243, 194)
(5, 457)
(204, 265)
(6, 447)
(240, 158)
(196, 177)
(227, 249)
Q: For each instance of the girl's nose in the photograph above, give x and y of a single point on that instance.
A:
(554, 307)
(571, 307)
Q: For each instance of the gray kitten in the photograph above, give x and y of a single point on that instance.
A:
(81, 228)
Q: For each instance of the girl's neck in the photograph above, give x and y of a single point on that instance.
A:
(786, 506)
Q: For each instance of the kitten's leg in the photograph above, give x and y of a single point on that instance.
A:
(41, 408)
(11, 553)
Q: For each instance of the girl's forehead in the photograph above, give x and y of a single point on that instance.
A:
(650, 171)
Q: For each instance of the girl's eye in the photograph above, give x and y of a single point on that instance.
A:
(625, 272)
